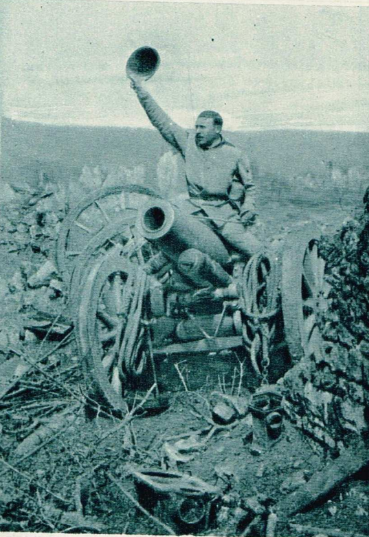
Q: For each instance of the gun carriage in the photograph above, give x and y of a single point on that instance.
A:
(153, 288)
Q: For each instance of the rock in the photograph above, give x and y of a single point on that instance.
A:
(35, 231)
(17, 283)
(240, 404)
(11, 369)
(8, 194)
(223, 414)
(231, 499)
(352, 416)
(173, 456)
(255, 450)
(76, 519)
(226, 472)
(30, 337)
(364, 348)
(253, 504)
(239, 515)
(332, 510)
(43, 276)
(9, 336)
(4, 289)
(260, 470)
(5, 499)
(56, 288)
(41, 326)
(22, 228)
(223, 515)
(293, 481)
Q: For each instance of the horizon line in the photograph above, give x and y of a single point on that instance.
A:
(325, 128)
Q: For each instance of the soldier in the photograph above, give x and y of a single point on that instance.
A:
(218, 175)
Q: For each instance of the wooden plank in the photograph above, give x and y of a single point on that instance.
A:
(325, 481)
(203, 345)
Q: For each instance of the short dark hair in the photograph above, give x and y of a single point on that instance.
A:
(217, 118)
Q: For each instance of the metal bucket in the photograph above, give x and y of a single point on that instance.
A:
(185, 502)
(143, 63)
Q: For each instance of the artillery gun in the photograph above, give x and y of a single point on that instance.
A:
(156, 295)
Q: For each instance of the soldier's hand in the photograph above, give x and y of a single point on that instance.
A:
(248, 218)
(135, 83)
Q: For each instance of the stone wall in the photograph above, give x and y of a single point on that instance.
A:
(327, 393)
(328, 398)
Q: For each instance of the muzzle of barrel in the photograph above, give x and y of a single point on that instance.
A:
(174, 231)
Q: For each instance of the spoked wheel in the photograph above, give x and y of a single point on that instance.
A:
(112, 338)
(96, 212)
(259, 299)
(121, 233)
(304, 293)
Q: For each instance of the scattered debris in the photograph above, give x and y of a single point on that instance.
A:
(293, 481)
(328, 532)
(43, 276)
(47, 428)
(186, 502)
(323, 482)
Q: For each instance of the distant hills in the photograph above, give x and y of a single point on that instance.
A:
(62, 151)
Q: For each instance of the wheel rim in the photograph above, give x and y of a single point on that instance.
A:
(259, 298)
(95, 213)
(104, 324)
(304, 294)
(117, 233)
(315, 290)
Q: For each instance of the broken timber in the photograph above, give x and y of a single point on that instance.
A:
(325, 481)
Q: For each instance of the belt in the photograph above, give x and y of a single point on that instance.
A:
(210, 197)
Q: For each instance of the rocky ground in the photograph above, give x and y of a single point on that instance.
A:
(66, 469)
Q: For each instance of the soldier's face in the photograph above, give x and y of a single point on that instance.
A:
(206, 131)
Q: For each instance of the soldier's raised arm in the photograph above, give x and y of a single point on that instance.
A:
(171, 131)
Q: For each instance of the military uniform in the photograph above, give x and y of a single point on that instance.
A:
(219, 180)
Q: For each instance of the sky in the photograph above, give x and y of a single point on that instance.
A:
(260, 66)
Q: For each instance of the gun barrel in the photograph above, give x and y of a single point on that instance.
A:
(174, 231)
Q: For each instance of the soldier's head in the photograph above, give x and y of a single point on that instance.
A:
(208, 128)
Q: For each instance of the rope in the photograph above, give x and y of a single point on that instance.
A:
(130, 348)
(259, 297)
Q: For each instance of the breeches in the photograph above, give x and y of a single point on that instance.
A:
(233, 232)
(240, 238)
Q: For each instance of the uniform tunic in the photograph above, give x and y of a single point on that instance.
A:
(219, 179)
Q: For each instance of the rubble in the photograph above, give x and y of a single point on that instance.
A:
(43, 276)
(223, 414)
(327, 398)
(324, 481)
(327, 395)
(293, 481)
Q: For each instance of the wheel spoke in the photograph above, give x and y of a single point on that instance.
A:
(116, 383)
(84, 228)
(308, 327)
(108, 360)
(314, 343)
(72, 253)
(108, 299)
(306, 286)
(117, 293)
(309, 304)
(107, 319)
(123, 201)
(309, 270)
(320, 272)
(326, 287)
(107, 337)
(103, 212)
